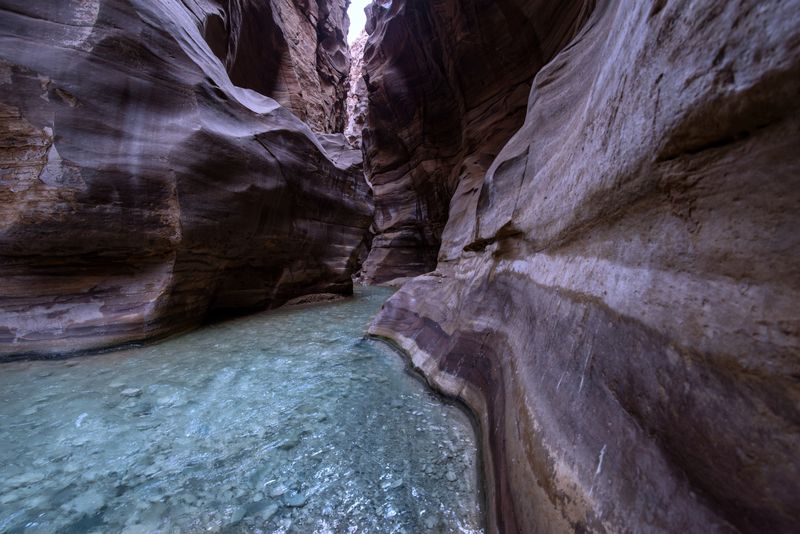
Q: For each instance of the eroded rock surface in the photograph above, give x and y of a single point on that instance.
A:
(357, 95)
(294, 51)
(448, 83)
(142, 190)
(617, 296)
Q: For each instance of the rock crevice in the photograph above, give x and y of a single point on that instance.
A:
(448, 85)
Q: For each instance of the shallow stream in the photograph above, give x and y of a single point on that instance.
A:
(285, 421)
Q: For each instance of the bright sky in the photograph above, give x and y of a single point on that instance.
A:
(357, 18)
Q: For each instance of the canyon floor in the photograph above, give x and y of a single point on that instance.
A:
(288, 421)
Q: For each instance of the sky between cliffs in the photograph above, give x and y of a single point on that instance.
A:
(357, 18)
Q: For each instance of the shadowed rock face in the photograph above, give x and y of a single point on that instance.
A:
(448, 83)
(294, 51)
(617, 296)
(142, 190)
(357, 96)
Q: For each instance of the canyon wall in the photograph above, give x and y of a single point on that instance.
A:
(294, 51)
(142, 190)
(447, 85)
(357, 95)
(616, 297)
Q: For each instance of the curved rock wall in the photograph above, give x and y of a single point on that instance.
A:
(294, 51)
(141, 190)
(448, 83)
(617, 296)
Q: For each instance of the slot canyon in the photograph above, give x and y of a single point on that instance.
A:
(510, 266)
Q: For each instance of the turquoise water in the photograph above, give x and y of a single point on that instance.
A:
(286, 421)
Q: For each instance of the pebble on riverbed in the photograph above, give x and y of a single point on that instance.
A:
(235, 439)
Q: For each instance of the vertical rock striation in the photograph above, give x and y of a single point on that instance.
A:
(448, 83)
(294, 51)
(616, 297)
(357, 95)
(142, 190)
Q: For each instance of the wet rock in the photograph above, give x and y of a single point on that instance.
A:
(431, 522)
(389, 511)
(392, 484)
(290, 443)
(131, 392)
(23, 479)
(237, 515)
(268, 512)
(87, 503)
(315, 298)
(278, 490)
(295, 500)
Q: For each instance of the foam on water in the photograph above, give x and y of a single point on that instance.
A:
(286, 421)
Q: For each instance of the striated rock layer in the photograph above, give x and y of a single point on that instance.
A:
(294, 51)
(448, 83)
(141, 190)
(357, 95)
(617, 297)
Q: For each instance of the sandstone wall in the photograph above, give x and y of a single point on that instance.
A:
(617, 296)
(294, 51)
(142, 191)
(448, 83)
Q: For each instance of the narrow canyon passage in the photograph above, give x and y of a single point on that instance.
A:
(288, 421)
(588, 211)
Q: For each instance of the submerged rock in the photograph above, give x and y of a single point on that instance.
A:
(314, 298)
(267, 513)
(87, 503)
(278, 490)
(295, 500)
(290, 443)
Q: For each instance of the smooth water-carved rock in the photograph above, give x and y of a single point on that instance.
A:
(448, 83)
(617, 297)
(294, 51)
(142, 190)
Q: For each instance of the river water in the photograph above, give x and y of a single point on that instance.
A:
(285, 421)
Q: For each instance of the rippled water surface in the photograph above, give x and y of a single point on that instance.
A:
(287, 421)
